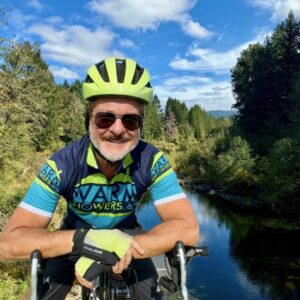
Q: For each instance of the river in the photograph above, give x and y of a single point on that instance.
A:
(250, 257)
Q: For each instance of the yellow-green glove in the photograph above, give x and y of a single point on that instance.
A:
(95, 243)
(89, 269)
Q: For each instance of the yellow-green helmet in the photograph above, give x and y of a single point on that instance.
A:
(118, 76)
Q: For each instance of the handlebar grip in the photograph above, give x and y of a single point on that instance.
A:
(36, 254)
(202, 251)
(168, 284)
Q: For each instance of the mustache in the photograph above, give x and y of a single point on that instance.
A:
(117, 138)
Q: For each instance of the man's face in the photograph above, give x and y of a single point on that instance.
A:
(115, 141)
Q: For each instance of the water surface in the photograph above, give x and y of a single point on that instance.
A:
(250, 257)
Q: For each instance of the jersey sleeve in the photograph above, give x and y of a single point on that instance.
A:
(165, 187)
(44, 193)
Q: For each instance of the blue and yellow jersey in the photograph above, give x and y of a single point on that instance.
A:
(73, 173)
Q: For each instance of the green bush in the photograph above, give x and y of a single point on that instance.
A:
(280, 177)
(14, 280)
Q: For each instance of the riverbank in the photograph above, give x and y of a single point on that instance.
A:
(243, 203)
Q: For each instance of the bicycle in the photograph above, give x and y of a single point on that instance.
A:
(108, 287)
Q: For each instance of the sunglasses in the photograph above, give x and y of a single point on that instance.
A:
(104, 120)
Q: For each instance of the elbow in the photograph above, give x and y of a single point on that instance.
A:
(194, 233)
(2, 250)
(6, 247)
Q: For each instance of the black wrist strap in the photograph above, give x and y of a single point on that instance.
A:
(78, 239)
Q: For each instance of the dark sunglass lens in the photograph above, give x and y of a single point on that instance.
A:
(132, 122)
(104, 120)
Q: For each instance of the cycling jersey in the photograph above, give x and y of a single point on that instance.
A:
(73, 173)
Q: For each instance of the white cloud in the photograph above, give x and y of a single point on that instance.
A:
(36, 4)
(138, 14)
(125, 43)
(206, 92)
(55, 20)
(19, 21)
(205, 59)
(74, 45)
(199, 59)
(64, 73)
(135, 14)
(279, 8)
(212, 92)
(195, 30)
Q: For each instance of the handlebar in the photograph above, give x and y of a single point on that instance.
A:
(176, 261)
(35, 270)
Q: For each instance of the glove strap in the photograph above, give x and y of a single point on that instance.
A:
(78, 240)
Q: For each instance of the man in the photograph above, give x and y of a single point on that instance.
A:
(102, 176)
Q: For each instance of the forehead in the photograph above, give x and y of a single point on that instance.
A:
(117, 104)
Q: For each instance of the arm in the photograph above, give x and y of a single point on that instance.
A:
(179, 222)
(26, 231)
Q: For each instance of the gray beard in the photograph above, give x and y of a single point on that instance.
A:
(113, 159)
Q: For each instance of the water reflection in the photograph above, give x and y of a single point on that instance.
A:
(250, 257)
(270, 258)
(265, 250)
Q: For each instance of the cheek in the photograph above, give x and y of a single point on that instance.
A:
(133, 134)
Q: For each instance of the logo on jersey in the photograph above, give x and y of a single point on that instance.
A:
(48, 175)
(104, 198)
(161, 166)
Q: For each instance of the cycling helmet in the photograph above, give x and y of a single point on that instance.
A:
(118, 76)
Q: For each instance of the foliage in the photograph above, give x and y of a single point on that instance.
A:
(266, 84)
(71, 112)
(280, 177)
(13, 288)
(154, 121)
(35, 114)
(178, 108)
(220, 161)
(171, 129)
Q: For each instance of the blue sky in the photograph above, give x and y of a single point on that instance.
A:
(189, 46)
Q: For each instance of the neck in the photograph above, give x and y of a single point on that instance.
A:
(107, 167)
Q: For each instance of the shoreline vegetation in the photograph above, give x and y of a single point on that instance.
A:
(242, 203)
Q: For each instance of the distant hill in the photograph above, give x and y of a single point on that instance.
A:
(221, 113)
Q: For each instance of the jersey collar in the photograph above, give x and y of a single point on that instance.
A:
(92, 162)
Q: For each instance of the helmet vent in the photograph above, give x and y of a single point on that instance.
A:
(88, 79)
(121, 67)
(137, 74)
(102, 71)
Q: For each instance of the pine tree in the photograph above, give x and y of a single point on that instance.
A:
(263, 80)
(171, 129)
(153, 128)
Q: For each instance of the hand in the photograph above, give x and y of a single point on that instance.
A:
(84, 282)
(95, 243)
(88, 269)
(121, 265)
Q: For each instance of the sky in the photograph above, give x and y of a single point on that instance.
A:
(188, 46)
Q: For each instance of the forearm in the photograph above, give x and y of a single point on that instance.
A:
(163, 237)
(20, 242)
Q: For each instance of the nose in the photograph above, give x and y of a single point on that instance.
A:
(117, 128)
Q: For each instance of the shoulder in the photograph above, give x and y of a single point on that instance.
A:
(72, 152)
(151, 160)
(143, 149)
(143, 154)
(60, 168)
